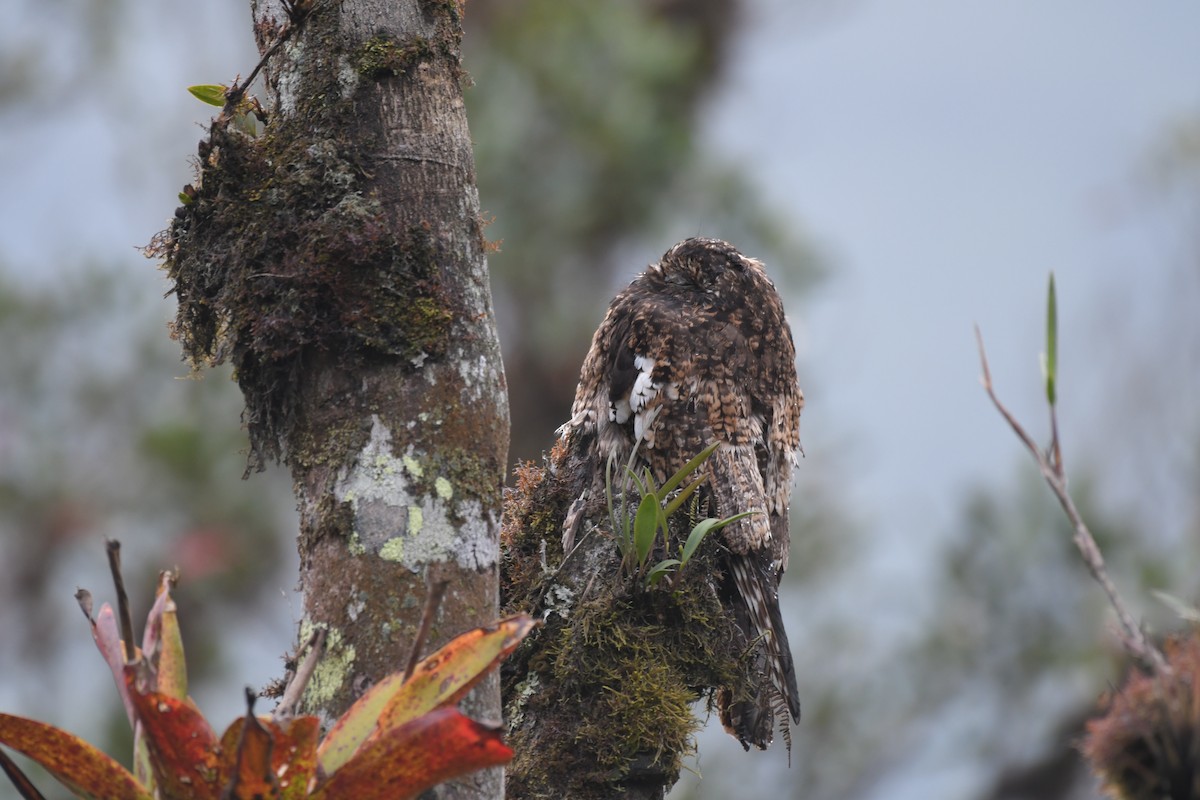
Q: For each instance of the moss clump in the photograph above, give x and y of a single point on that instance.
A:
(384, 57)
(1144, 747)
(285, 256)
(617, 665)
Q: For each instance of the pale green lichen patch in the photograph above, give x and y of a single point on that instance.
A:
(413, 466)
(405, 517)
(392, 550)
(333, 670)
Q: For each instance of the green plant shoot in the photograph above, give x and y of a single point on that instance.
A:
(1050, 357)
(210, 93)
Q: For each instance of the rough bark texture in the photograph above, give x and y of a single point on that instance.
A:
(599, 700)
(335, 256)
(398, 458)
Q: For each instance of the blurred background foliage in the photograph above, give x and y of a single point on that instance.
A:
(587, 118)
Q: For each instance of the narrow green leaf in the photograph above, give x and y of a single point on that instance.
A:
(637, 481)
(687, 470)
(703, 529)
(209, 93)
(645, 526)
(1050, 359)
(681, 498)
(660, 570)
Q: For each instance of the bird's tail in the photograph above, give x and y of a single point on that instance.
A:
(752, 720)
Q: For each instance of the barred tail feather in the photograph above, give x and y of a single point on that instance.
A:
(753, 721)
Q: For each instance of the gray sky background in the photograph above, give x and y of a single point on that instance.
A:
(946, 156)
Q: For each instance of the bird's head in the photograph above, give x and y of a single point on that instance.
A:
(711, 266)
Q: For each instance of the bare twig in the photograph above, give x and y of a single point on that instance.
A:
(1051, 465)
(113, 548)
(297, 14)
(433, 600)
(299, 682)
(23, 785)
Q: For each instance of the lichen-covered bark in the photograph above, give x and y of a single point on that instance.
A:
(397, 456)
(336, 258)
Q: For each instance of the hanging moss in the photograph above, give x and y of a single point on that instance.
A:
(285, 253)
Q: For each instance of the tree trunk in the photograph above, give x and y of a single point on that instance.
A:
(335, 256)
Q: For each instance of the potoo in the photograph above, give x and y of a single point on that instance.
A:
(696, 350)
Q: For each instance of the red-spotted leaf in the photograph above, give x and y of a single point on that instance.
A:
(291, 758)
(246, 755)
(79, 766)
(182, 745)
(405, 761)
(438, 680)
(295, 757)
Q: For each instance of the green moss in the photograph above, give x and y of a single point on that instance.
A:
(385, 57)
(627, 661)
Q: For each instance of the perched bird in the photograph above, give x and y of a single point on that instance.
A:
(697, 350)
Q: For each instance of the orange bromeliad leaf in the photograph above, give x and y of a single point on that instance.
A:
(83, 769)
(249, 746)
(295, 758)
(182, 745)
(406, 760)
(290, 762)
(438, 680)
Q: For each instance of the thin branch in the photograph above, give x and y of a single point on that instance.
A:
(113, 548)
(22, 783)
(433, 600)
(297, 14)
(1050, 463)
(299, 682)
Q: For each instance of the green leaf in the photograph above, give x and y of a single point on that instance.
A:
(1050, 358)
(645, 526)
(642, 487)
(687, 470)
(703, 528)
(660, 570)
(247, 124)
(185, 198)
(209, 93)
(682, 497)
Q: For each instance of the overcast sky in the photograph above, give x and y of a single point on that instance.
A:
(945, 156)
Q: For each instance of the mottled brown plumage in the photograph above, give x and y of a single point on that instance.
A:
(697, 350)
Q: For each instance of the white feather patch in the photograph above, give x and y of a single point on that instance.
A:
(644, 387)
